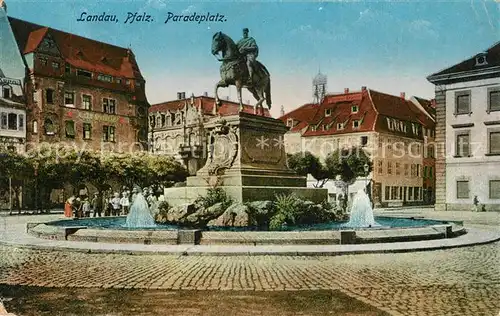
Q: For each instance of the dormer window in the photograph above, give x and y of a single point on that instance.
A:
(104, 60)
(313, 128)
(79, 54)
(389, 124)
(106, 78)
(340, 126)
(6, 92)
(328, 112)
(354, 109)
(289, 122)
(325, 127)
(355, 124)
(481, 59)
(84, 73)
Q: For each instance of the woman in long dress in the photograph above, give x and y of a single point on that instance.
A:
(139, 215)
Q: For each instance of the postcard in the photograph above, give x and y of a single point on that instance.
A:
(249, 157)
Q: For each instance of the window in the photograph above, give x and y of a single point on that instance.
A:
(494, 189)
(463, 189)
(389, 124)
(313, 128)
(108, 133)
(418, 170)
(138, 83)
(70, 129)
(21, 122)
(431, 172)
(35, 127)
(328, 112)
(12, 121)
(398, 172)
(354, 109)
(425, 172)
(55, 65)
(87, 131)
(389, 167)
(84, 73)
(340, 126)
(49, 96)
(462, 102)
(364, 141)
(494, 142)
(106, 78)
(118, 80)
(43, 61)
(49, 127)
(67, 68)
(406, 169)
(355, 124)
(410, 193)
(69, 98)
(7, 92)
(86, 102)
(109, 106)
(380, 141)
(387, 193)
(416, 192)
(412, 170)
(380, 168)
(493, 99)
(462, 145)
(325, 127)
(289, 122)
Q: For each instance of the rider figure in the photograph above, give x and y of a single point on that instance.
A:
(248, 47)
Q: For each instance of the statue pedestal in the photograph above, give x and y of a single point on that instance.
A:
(246, 156)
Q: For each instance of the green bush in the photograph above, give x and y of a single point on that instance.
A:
(214, 196)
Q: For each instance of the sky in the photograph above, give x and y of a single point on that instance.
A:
(388, 46)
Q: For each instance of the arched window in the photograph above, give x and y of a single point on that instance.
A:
(49, 127)
(35, 127)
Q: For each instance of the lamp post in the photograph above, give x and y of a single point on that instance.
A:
(10, 195)
(152, 125)
(366, 168)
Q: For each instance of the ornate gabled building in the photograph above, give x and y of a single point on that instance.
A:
(393, 130)
(468, 131)
(177, 127)
(80, 91)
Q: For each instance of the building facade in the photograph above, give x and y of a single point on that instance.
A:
(177, 127)
(80, 91)
(468, 133)
(12, 98)
(390, 129)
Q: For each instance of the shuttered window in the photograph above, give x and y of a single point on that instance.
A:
(462, 189)
(494, 189)
(494, 100)
(463, 104)
(494, 142)
(70, 129)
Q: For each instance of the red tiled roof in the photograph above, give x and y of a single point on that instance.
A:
(207, 104)
(78, 51)
(373, 107)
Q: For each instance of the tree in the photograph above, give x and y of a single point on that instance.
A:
(15, 170)
(349, 164)
(305, 163)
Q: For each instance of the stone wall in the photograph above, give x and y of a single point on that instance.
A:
(440, 190)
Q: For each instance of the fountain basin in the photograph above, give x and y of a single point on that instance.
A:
(109, 230)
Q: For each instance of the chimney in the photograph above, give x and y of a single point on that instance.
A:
(183, 95)
(346, 90)
(179, 95)
(402, 95)
(205, 94)
(363, 88)
(282, 111)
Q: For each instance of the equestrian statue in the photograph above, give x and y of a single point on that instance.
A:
(241, 69)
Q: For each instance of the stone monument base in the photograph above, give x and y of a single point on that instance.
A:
(183, 195)
(246, 157)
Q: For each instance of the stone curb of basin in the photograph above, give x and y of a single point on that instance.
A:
(474, 236)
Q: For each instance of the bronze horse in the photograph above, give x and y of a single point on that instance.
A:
(234, 71)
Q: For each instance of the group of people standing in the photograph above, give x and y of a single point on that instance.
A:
(110, 204)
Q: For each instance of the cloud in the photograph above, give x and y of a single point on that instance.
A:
(422, 28)
(156, 4)
(188, 9)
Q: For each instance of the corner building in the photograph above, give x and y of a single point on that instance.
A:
(80, 91)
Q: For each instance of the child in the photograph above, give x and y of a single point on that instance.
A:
(86, 207)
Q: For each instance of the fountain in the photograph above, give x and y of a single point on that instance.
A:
(361, 212)
(139, 216)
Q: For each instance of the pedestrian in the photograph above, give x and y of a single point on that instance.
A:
(86, 207)
(68, 206)
(96, 205)
(109, 207)
(115, 204)
(125, 203)
(476, 204)
(77, 207)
